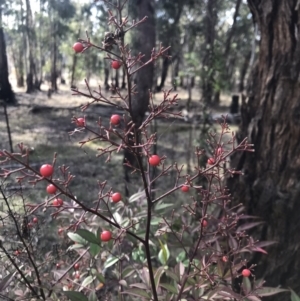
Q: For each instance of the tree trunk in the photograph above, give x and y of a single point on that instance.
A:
(53, 76)
(271, 120)
(243, 71)
(208, 59)
(6, 93)
(32, 81)
(144, 42)
(164, 72)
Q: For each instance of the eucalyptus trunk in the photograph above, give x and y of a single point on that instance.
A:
(270, 187)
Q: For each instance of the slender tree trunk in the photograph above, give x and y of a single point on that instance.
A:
(243, 71)
(144, 42)
(229, 60)
(6, 93)
(32, 75)
(208, 59)
(53, 76)
(271, 120)
(164, 73)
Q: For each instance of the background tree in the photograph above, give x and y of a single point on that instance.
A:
(6, 93)
(270, 118)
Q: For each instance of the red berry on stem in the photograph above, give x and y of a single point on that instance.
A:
(220, 151)
(78, 47)
(76, 266)
(204, 223)
(35, 220)
(58, 265)
(51, 189)
(185, 188)
(225, 258)
(60, 231)
(116, 64)
(211, 161)
(105, 236)
(115, 119)
(46, 170)
(154, 160)
(116, 197)
(58, 202)
(246, 272)
(80, 122)
(77, 275)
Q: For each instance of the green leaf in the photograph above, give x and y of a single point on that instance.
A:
(246, 285)
(163, 206)
(173, 276)
(94, 249)
(181, 256)
(159, 272)
(93, 297)
(88, 236)
(101, 278)
(111, 261)
(76, 246)
(88, 280)
(137, 196)
(76, 296)
(164, 253)
(6, 281)
(77, 238)
(155, 221)
(138, 292)
(170, 288)
(127, 272)
(269, 291)
(294, 296)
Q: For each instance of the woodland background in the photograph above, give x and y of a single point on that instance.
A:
(218, 48)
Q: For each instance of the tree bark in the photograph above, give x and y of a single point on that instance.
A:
(208, 59)
(270, 186)
(6, 93)
(32, 81)
(144, 42)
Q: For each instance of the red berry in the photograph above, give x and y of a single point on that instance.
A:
(78, 47)
(116, 64)
(60, 231)
(51, 189)
(76, 266)
(105, 236)
(116, 197)
(35, 220)
(246, 272)
(17, 252)
(29, 225)
(115, 119)
(185, 188)
(80, 122)
(46, 170)
(220, 151)
(58, 202)
(225, 258)
(58, 265)
(204, 223)
(154, 160)
(211, 161)
(77, 275)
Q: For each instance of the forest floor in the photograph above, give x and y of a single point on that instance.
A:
(43, 124)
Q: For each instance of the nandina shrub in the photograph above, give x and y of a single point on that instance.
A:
(144, 247)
